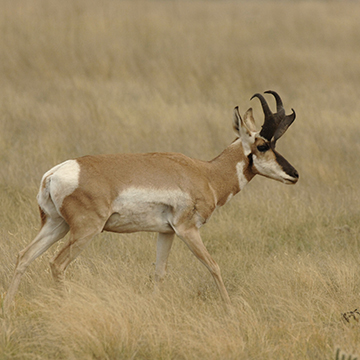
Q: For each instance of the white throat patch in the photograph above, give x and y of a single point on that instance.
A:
(240, 166)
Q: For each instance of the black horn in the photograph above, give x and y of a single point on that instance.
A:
(264, 104)
(271, 121)
(288, 120)
(275, 124)
(279, 104)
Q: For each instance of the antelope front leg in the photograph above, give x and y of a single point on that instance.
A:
(163, 248)
(192, 239)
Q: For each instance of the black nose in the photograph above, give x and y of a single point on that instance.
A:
(295, 174)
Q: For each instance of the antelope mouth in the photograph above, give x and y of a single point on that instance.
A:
(292, 181)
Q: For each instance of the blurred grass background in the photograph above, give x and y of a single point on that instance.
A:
(86, 77)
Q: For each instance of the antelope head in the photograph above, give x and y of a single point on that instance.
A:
(259, 147)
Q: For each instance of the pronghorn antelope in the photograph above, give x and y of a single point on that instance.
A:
(167, 193)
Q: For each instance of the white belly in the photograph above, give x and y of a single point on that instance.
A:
(144, 218)
(146, 210)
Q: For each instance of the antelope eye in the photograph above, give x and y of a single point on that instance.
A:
(263, 148)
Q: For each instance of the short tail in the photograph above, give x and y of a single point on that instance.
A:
(46, 204)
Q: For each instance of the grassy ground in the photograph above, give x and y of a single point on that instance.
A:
(85, 77)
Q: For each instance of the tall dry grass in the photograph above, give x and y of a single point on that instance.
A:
(84, 77)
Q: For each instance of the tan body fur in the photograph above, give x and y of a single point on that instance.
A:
(167, 193)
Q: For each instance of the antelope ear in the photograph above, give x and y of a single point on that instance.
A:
(242, 130)
(249, 120)
(236, 121)
(239, 125)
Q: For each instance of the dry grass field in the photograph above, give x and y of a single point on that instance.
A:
(86, 77)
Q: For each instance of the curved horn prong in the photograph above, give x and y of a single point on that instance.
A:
(275, 124)
(264, 104)
(285, 123)
(270, 124)
(279, 104)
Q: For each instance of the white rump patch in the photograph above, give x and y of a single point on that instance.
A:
(240, 173)
(56, 184)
